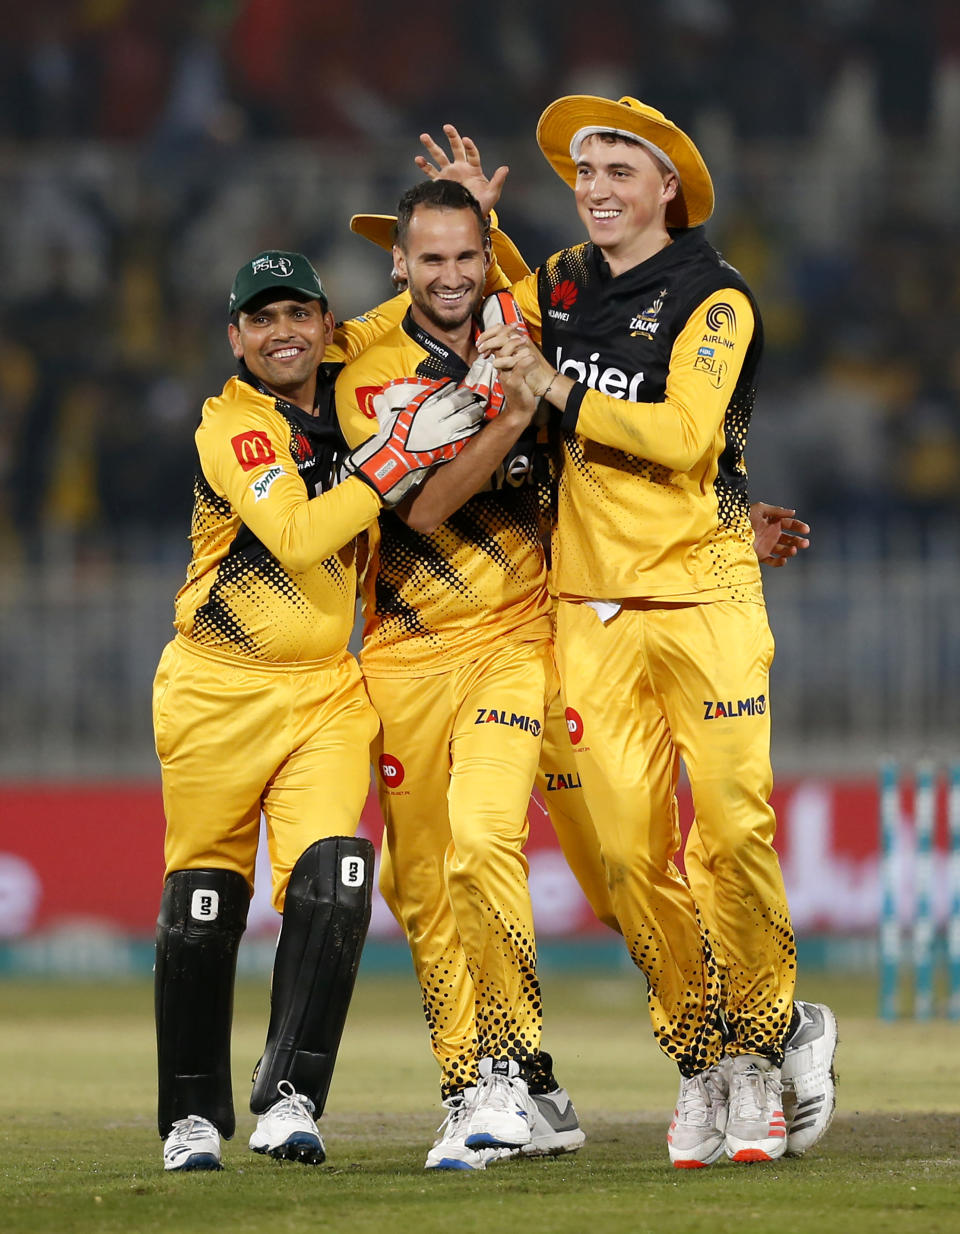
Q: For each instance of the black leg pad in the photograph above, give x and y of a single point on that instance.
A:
(203, 914)
(325, 919)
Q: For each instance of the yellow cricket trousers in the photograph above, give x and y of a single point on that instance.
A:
(237, 736)
(559, 782)
(651, 686)
(456, 762)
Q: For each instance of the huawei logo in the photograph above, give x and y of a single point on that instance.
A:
(564, 295)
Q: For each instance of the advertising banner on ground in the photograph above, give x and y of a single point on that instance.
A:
(80, 856)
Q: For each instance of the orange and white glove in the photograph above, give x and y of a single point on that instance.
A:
(500, 309)
(422, 424)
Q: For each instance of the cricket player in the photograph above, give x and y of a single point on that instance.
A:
(650, 349)
(258, 707)
(457, 656)
(778, 536)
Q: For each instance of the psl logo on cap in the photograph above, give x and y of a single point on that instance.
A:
(281, 265)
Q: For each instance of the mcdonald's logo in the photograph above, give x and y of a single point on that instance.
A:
(253, 449)
(365, 396)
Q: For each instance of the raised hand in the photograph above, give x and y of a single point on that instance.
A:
(463, 165)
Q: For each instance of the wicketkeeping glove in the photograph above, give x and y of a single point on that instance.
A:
(416, 433)
(500, 309)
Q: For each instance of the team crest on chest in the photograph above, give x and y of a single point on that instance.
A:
(647, 321)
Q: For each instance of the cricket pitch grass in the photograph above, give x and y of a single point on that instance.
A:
(80, 1150)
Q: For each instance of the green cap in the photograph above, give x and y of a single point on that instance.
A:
(271, 269)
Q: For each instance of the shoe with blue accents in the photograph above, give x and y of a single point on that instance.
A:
(450, 1151)
(287, 1131)
(504, 1112)
(193, 1144)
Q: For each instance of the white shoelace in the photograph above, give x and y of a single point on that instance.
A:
(190, 1128)
(754, 1090)
(693, 1103)
(293, 1104)
(497, 1092)
(453, 1126)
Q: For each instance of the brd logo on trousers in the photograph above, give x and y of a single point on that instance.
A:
(391, 770)
(574, 725)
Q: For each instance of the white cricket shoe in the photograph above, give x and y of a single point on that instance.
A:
(504, 1112)
(193, 1144)
(809, 1076)
(756, 1128)
(450, 1151)
(696, 1135)
(287, 1131)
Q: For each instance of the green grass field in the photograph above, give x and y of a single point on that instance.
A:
(80, 1151)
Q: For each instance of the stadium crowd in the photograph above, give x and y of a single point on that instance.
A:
(138, 142)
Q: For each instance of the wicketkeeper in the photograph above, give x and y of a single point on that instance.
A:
(259, 708)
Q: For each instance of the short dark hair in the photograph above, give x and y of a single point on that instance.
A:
(438, 195)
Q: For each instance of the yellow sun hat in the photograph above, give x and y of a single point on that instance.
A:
(379, 229)
(566, 124)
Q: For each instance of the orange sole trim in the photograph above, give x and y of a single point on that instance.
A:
(751, 1155)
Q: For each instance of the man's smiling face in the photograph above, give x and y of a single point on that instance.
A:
(445, 265)
(621, 192)
(282, 341)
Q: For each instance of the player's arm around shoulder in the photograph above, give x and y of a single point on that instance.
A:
(352, 337)
(244, 450)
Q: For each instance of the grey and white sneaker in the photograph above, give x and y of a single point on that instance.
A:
(504, 1112)
(696, 1135)
(556, 1128)
(450, 1151)
(193, 1144)
(809, 1076)
(287, 1131)
(756, 1129)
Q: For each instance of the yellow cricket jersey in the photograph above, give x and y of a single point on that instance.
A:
(432, 601)
(652, 500)
(272, 575)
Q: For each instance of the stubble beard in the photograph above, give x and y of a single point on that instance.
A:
(425, 305)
